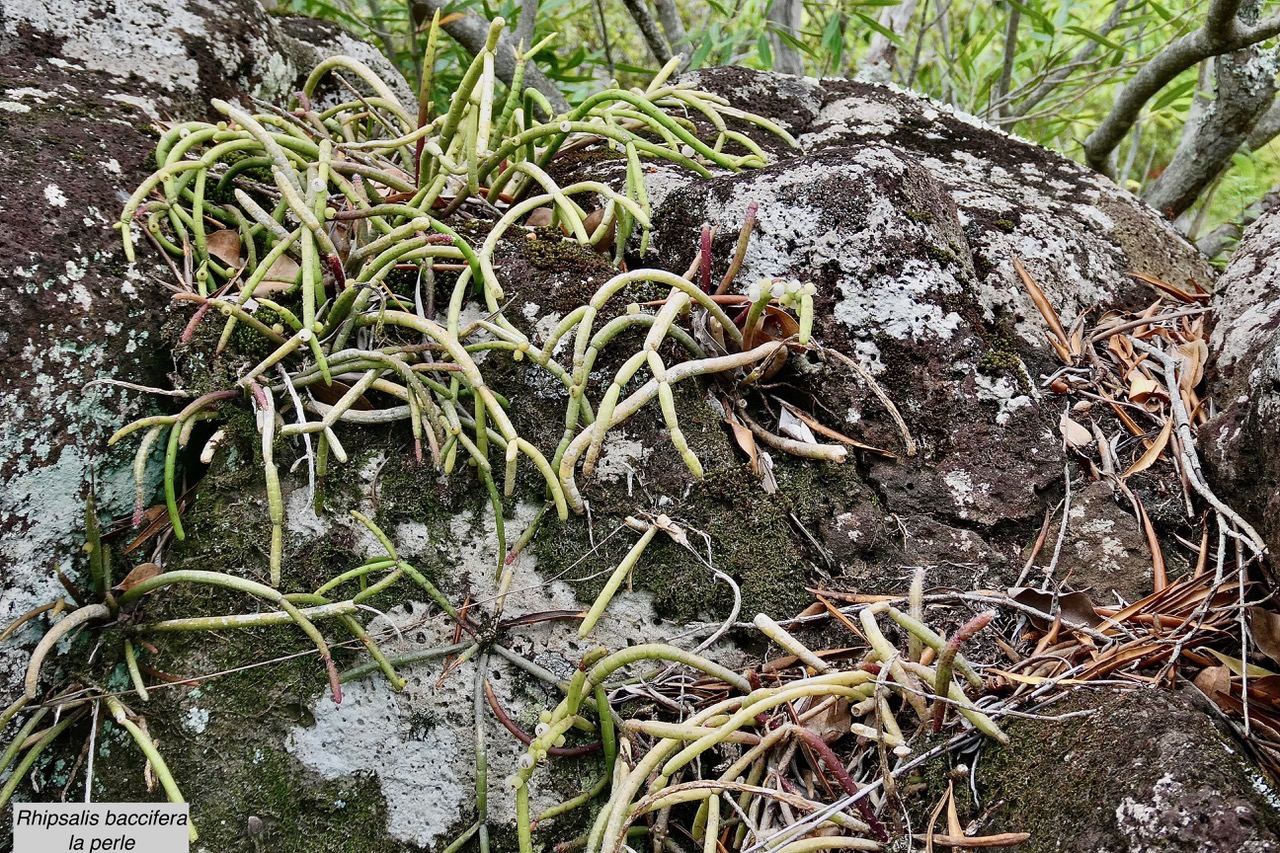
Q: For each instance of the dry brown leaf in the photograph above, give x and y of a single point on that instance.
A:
(140, 573)
(1075, 434)
(1159, 576)
(225, 246)
(153, 520)
(1172, 290)
(1194, 355)
(833, 434)
(1075, 608)
(282, 276)
(1147, 459)
(333, 392)
(1265, 688)
(1129, 423)
(1143, 387)
(742, 435)
(1265, 627)
(832, 722)
(1063, 343)
(1214, 681)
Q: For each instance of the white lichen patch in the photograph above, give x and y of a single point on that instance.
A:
(119, 38)
(146, 105)
(420, 743)
(196, 720)
(14, 107)
(618, 456)
(1002, 391)
(847, 523)
(904, 308)
(372, 732)
(54, 195)
(852, 115)
(961, 487)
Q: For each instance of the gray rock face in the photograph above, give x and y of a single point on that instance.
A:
(81, 84)
(1242, 443)
(905, 216)
(908, 217)
(1147, 771)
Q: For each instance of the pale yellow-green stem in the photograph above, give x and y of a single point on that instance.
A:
(73, 620)
(644, 394)
(885, 652)
(148, 747)
(615, 580)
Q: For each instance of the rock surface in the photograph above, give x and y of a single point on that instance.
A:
(81, 85)
(1147, 771)
(1242, 443)
(907, 217)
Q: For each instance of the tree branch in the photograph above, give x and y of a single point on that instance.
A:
(785, 16)
(669, 17)
(882, 56)
(1010, 54)
(1267, 129)
(472, 31)
(528, 20)
(1055, 79)
(639, 11)
(1221, 33)
(1246, 87)
(1216, 241)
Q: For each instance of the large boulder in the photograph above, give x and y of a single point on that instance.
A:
(908, 219)
(82, 86)
(1242, 452)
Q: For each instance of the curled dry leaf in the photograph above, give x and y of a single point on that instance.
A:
(1074, 433)
(1075, 608)
(225, 246)
(1214, 682)
(540, 217)
(1143, 388)
(140, 573)
(742, 435)
(282, 277)
(1265, 627)
(1058, 336)
(1147, 459)
(1194, 355)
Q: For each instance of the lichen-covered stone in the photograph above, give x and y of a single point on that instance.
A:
(81, 86)
(905, 215)
(1146, 771)
(1242, 443)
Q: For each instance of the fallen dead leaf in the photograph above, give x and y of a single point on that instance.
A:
(225, 246)
(1075, 434)
(282, 277)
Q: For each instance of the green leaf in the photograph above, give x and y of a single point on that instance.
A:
(881, 29)
(1034, 15)
(792, 41)
(764, 50)
(1092, 36)
(1174, 93)
(1161, 11)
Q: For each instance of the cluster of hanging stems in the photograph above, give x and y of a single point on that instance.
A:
(318, 207)
(289, 225)
(739, 711)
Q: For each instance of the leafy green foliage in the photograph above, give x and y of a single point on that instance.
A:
(1051, 77)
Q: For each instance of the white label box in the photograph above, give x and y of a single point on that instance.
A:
(101, 827)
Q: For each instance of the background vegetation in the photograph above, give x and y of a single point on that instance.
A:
(1048, 70)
